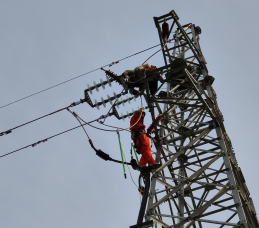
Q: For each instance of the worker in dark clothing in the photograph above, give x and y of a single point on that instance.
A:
(135, 79)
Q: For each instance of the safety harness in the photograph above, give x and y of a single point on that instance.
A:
(135, 138)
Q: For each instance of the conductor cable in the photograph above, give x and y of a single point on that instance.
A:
(72, 105)
(109, 65)
(44, 140)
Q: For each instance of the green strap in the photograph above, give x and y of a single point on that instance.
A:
(121, 154)
(135, 154)
(155, 224)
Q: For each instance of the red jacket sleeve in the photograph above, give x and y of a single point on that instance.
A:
(136, 119)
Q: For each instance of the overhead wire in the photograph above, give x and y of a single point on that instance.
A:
(10, 130)
(81, 125)
(94, 126)
(110, 125)
(41, 91)
(44, 140)
(76, 116)
(59, 110)
(99, 152)
(155, 53)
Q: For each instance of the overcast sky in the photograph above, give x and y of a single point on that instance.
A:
(62, 183)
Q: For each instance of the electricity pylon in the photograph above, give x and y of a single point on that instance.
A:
(199, 183)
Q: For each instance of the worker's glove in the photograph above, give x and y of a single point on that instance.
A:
(158, 120)
(155, 122)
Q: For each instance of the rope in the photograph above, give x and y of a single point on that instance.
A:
(41, 91)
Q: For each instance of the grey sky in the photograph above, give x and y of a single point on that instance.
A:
(62, 183)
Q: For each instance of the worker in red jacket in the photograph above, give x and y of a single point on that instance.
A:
(140, 139)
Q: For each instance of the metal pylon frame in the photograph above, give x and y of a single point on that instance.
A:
(199, 183)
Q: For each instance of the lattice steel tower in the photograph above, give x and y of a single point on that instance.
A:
(199, 183)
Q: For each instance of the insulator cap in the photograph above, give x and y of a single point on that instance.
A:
(165, 30)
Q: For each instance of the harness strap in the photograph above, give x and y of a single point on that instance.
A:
(135, 136)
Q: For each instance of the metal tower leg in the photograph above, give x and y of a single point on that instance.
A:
(181, 176)
(144, 198)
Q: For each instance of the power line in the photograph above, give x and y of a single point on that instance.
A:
(44, 140)
(53, 136)
(65, 108)
(72, 105)
(111, 64)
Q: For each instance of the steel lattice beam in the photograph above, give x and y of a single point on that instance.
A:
(199, 168)
(192, 123)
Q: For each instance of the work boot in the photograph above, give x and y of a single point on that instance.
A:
(141, 168)
(154, 166)
(134, 164)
